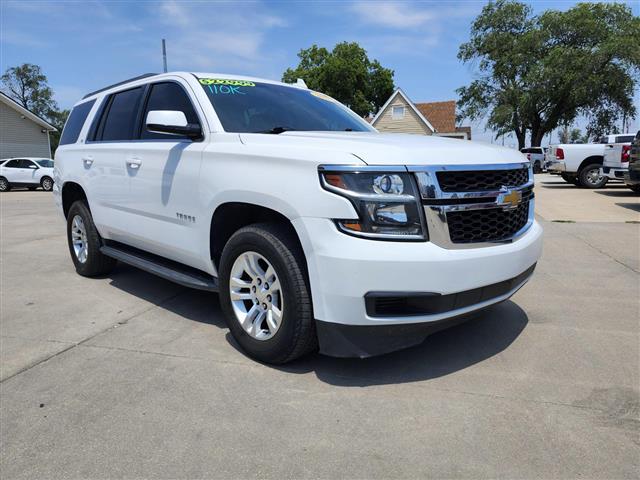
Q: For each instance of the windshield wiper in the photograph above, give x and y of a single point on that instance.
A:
(277, 130)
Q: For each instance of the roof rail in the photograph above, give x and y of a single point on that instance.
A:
(139, 77)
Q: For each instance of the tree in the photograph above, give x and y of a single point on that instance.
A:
(539, 72)
(57, 119)
(27, 85)
(346, 74)
(573, 135)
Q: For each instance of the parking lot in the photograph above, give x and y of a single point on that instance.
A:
(132, 376)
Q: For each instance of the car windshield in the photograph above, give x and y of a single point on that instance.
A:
(253, 107)
(45, 163)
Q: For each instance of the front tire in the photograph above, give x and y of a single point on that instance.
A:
(47, 184)
(591, 176)
(635, 188)
(85, 242)
(265, 295)
(5, 186)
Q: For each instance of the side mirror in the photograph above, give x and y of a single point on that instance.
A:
(34, 167)
(171, 122)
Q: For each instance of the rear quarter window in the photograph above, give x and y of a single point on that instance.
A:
(74, 124)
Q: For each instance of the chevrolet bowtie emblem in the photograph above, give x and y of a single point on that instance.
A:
(510, 198)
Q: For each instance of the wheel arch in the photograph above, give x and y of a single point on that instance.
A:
(599, 159)
(229, 217)
(72, 192)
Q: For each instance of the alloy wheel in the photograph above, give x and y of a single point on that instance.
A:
(594, 177)
(79, 238)
(47, 183)
(256, 295)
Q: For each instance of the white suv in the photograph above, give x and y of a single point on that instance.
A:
(26, 172)
(315, 229)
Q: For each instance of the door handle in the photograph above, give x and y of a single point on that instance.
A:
(134, 162)
(87, 161)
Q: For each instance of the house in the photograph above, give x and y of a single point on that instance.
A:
(22, 133)
(401, 115)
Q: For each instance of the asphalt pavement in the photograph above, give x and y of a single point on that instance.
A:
(130, 376)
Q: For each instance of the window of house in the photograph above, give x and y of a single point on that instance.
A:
(397, 112)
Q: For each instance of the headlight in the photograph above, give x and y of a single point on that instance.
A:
(387, 203)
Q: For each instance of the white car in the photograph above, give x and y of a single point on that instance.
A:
(581, 163)
(535, 155)
(315, 229)
(616, 160)
(26, 172)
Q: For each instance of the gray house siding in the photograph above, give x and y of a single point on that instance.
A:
(21, 137)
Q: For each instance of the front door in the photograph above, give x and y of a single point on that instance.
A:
(165, 180)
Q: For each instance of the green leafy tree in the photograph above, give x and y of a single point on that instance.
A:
(539, 72)
(347, 74)
(27, 85)
(57, 118)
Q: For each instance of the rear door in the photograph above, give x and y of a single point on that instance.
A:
(164, 198)
(107, 163)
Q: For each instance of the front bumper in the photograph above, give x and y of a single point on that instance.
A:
(556, 166)
(344, 269)
(614, 173)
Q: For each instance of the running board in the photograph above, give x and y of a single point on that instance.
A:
(167, 269)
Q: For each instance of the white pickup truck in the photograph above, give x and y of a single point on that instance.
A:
(580, 163)
(317, 231)
(616, 160)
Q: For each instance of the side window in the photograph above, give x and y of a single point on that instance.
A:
(12, 164)
(119, 118)
(25, 164)
(624, 138)
(75, 122)
(168, 96)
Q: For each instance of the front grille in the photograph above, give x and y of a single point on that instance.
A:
(480, 180)
(491, 225)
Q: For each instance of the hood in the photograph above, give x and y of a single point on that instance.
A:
(375, 148)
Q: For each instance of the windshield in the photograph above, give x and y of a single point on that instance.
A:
(45, 163)
(250, 107)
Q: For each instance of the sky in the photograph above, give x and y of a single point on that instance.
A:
(83, 46)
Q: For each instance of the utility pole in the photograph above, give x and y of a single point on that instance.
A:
(164, 55)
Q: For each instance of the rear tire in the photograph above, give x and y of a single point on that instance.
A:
(590, 176)
(273, 330)
(569, 178)
(5, 186)
(537, 167)
(635, 188)
(46, 183)
(85, 242)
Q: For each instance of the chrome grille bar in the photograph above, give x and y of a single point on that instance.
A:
(437, 203)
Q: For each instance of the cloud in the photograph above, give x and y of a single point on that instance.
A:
(392, 14)
(22, 39)
(218, 35)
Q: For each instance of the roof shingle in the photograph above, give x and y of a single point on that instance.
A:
(442, 115)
